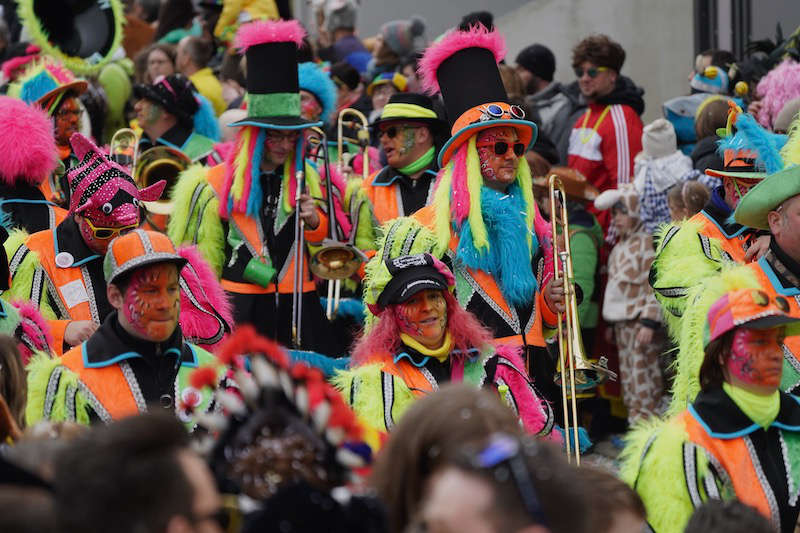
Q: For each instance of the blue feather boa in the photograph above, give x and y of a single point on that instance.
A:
(508, 258)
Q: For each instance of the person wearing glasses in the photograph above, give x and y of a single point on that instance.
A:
(608, 134)
(139, 356)
(50, 86)
(738, 438)
(408, 131)
(171, 114)
(61, 268)
(483, 213)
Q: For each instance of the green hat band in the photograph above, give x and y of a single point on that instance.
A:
(273, 105)
(406, 111)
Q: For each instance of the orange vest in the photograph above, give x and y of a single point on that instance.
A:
(107, 384)
(385, 199)
(735, 458)
(733, 245)
(248, 228)
(72, 286)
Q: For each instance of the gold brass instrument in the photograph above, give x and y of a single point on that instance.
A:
(361, 124)
(160, 163)
(337, 259)
(299, 255)
(576, 373)
(124, 149)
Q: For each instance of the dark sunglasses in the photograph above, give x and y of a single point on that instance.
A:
(392, 131)
(501, 147)
(591, 71)
(504, 457)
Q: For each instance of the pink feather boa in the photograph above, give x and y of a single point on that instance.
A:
(339, 184)
(780, 85)
(27, 127)
(269, 31)
(201, 322)
(544, 232)
(35, 327)
(477, 37)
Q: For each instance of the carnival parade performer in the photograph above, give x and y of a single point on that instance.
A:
(423, 338)
(138, 356)
(28, 158)
(61, 268)
(245, 214)
(690, 251)
(483, 212)
(739, 437)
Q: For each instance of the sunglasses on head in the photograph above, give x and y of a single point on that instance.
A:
(104, 234)
(501, 147)
(591, 71)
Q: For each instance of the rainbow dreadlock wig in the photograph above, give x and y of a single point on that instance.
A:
(463, 67)
(273, 102)
(45, 83)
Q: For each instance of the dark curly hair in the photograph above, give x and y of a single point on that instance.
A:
(599, 50)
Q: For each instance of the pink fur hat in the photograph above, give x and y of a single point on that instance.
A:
(780, 85)
(102, 191)
(27, 146)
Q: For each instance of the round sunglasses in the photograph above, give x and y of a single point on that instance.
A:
(496, 111)
(501, 147)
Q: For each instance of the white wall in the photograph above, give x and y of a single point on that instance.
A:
(657, 36)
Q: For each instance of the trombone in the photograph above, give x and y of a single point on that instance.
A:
(576, 372)
(336, 260)
(362, 139)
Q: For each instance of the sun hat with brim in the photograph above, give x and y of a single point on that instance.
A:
(410, 107)
(394, 78)
(767, 196)
(412, 274)
(749, 308)
(273, 87)
(137, 249)
(575, 184)
(463, 67)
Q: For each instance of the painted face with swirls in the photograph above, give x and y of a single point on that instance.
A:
(498, 159)
(151, 302)
(424, 317)
(756, 359)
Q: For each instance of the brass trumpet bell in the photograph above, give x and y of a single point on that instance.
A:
(336, 260)
(160, 163)
(588, 374)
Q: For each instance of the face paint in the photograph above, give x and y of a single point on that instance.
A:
(279, 145)
(756, 357)
(151, 303)
(498, 171)
(409, 140)
(67, 119)
(424, 317)
(309, 106)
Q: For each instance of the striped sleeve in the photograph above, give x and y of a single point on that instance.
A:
(623, 149)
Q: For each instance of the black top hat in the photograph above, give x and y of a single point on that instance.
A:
(174, 93)
(273, 90)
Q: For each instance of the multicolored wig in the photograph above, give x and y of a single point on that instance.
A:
(27, 146)
(316, 81)
(780, 85)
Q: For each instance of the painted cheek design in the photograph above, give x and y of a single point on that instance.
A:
(408, 141)
(485, 154)
(748, 359)
(310, 109)
(152, 312)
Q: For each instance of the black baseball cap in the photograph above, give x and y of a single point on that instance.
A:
(410, 275)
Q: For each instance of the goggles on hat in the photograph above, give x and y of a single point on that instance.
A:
(501, 147)
(495, 111)
(592, 72)
(104, 234)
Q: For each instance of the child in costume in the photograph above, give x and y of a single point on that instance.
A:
(483, 213)
(423, 338)
(138, 356)
(245, 213)
(28, 158)
(739, 438)
(61, 268)
(629, 304)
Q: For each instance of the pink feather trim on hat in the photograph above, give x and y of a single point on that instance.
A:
(269, 31)
(477, 37)
(35, 327)
(27, 146)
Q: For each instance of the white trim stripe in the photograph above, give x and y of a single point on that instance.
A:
(623, 150)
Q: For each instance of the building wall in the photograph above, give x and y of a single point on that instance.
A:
(657, 36)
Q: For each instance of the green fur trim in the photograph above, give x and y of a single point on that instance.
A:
(40, 369)
(358, 205)
(693, 326)
(195, 216)
(273, 105)
(78, 65)
(8, 324)
(362, 388)
(22, 280)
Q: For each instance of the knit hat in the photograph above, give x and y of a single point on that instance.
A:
(137, 249)
(174, 93)
(395, 78)
(712, 80)
(27, 146)
(750, 308)
(101, 190)
(340, 14)
(539, 60)
(400, 35)
(658, 139)
(412, 274)
(44, 82)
